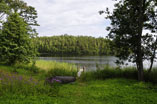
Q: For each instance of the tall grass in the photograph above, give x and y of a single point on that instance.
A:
(43, 69)
(11, 83)
(57, 68)
(30, 79)
(152, 76)
(50, 65)
(110, 72)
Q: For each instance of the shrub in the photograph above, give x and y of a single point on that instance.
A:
(28, 67)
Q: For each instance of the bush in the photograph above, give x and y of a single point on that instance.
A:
(29, 67)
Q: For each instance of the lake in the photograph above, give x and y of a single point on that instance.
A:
(91, 62)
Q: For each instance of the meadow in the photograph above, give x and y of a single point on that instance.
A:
(25, 84)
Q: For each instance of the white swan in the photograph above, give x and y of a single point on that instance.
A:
(79, 72)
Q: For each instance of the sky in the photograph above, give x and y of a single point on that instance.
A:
(73, 17)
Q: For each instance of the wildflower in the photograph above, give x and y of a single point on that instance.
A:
(20, 78)
(13, 76)
(35, 83)
(56, 80)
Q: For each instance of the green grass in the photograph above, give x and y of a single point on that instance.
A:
(57, 68)
(52, 65)
(13, 83)
(110, 91)
(24, 84)
(110, 72)
(42, 69)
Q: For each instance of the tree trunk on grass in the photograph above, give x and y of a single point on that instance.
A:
(140, 28)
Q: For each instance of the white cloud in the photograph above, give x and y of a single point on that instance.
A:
(75, 17)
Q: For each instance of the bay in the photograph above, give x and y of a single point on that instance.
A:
(92, 62)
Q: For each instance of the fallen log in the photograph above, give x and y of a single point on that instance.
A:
(61, 79)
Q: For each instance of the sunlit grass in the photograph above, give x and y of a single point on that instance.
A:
(54, 68)
(19, 85)
(50, 65)
(110, 91)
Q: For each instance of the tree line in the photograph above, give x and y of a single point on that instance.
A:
(129, 42)
(67, 45)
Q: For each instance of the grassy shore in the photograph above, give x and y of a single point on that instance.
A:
(110, 91)
(25, 84)
(51, 65)
(127, 73)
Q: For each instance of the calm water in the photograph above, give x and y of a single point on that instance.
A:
(90, 62)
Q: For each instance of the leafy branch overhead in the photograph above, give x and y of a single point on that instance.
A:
(133, 30)
(28, 13)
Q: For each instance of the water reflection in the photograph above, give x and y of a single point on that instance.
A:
(91, 62)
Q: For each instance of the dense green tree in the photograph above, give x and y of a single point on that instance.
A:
(3, 10)
(28, 13)
(67, 45)
(128, 21)
(15, 42)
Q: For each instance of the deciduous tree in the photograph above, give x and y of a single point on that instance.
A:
(129, 21)
(28, 13)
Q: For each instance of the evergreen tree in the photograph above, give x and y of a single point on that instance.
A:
(15, 42)
(66, 45)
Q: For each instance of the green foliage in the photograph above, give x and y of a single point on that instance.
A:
(128, 21)
(28, 13)
(111, 91)
(125, 26)
(109, 72)
(30, 67)
(67, 45)
(128, 73)
(15, 41)
(57, 69)
(42, 69)
(152, 76)
(17, 88)
(3, 9)
(50, 65)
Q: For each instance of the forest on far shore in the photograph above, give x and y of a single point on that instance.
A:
(67, 45)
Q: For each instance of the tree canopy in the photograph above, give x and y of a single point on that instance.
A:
(17, 20)
(66, 45)
(15, 41)
(129, 21)
(28, 13)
